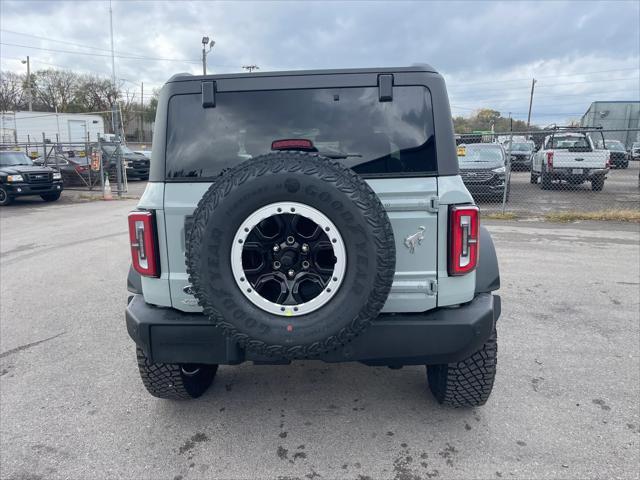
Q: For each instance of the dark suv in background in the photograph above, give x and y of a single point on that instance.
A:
(136, 164)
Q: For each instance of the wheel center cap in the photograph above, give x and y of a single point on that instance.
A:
(289, 259)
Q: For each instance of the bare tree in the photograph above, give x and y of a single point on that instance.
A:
(55, 89)
(11, 91)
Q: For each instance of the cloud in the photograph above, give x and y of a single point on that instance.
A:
(488, 51)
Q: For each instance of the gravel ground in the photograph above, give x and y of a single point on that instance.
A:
(565, 403)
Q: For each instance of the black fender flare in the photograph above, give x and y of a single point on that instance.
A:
(487, 271)
(134, 281)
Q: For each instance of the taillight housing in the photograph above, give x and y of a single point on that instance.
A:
(550, 160)
(144, 245)
(609, 160)
(463, 239)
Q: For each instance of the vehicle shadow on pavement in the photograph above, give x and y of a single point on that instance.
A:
(354, 419)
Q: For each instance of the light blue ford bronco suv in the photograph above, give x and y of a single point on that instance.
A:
(310, 215)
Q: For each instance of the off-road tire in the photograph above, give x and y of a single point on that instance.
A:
(597, 184)
(167, 380)
(5, 198)
(467, 383)
(340, 194)
(50, 197)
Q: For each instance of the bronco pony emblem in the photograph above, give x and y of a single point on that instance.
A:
(416, 239)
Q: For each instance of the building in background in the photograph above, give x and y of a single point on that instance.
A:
(614, 115)
(63, 127)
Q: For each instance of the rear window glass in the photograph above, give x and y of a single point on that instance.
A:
(374, 138)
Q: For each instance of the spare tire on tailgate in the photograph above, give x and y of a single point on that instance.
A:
(291, 254)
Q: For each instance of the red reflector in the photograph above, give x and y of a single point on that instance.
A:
(144, 248)
(463, 239)
(292, 144)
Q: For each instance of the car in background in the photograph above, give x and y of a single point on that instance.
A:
(569, 155)
(635, 151)
(521, 155)
(136, 164)
(20, 177)
(483, 169)
(618, 155)
(146, 153)
(74, 170)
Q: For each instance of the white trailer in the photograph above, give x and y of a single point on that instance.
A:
(63, 127)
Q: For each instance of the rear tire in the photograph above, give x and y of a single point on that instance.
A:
(533, 179)
(467, 383)
(545, 181)
(5, 198)
(173, 381)
(50, 197)
(597, 184)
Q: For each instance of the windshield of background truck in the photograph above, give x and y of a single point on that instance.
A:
(124, 150)
(373, 138)
(614, 145)
(559, 142)
(8, 159)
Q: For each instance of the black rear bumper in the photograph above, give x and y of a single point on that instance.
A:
(439, 336)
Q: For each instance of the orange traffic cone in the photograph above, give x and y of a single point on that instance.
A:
(106, 193)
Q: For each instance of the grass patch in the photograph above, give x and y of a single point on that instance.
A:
(602, 215)
(499, 216)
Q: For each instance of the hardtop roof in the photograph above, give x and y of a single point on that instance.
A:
(182, 77)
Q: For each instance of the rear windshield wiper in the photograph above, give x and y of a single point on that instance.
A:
(335, 154)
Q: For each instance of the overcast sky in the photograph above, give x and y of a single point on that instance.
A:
(488, 51)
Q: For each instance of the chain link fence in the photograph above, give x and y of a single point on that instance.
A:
(561, 169)
(88, 166)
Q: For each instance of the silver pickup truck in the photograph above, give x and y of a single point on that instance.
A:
(570, 156)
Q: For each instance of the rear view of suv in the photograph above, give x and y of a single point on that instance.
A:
(310, 214)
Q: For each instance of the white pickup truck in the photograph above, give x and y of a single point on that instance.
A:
(570, 156)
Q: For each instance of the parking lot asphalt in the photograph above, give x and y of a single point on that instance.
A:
(620, 192)
(565, 403)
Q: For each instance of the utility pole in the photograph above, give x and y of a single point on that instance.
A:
(141, 136)
(533, 84)
(114, 110)
(30, 92)
(251, 68)
(205, 52)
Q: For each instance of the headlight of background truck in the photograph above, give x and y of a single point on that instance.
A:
(15, 178)
(499, 170)
(57, 176)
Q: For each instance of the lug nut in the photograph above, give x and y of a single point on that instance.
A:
(305, 248)
(276, 265)
(291, 273)
(305, 264)
(276, 248)
(290, 240)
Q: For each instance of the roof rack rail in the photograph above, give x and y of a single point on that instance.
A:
(553, 126)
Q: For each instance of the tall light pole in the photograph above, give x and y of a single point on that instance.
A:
(30, 93)
(533, 84)
(205, 51)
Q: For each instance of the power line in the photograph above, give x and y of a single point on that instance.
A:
(550, 76)
(91, 54)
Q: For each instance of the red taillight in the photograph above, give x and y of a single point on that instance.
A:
(81, 168)
(292, 144)
(142, 238)
(463, 239)
(550, 159)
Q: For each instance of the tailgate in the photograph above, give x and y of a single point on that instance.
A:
(591, 160)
